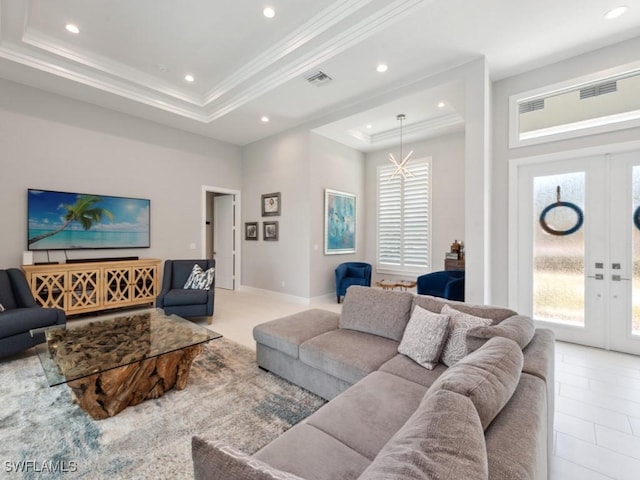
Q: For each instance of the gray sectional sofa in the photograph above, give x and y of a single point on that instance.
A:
(487, 415)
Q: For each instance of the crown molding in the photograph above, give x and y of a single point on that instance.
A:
(235, 90)
(418, 128)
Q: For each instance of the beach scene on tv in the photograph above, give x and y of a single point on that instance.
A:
(65, 221)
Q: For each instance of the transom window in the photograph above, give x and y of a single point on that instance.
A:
(404, 218)
(592, 104)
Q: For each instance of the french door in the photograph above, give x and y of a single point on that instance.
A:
(578, 249)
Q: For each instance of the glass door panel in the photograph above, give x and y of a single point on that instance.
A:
(635, 225)
(559, 256)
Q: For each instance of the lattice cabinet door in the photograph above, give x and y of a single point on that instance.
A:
(117, 286)
(83, 290)
(49, 288)
(145, 281)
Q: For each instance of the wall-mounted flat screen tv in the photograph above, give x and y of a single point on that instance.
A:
(68, 221)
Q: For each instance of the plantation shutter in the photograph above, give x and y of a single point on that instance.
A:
(404, 218)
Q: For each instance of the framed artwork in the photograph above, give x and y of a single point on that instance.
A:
(251, 231)
(270, 231)
(271, 204)
(339, 222)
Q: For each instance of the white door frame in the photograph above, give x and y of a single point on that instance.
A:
(238, 232)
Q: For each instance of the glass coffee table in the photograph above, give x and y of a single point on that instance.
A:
(115, 361)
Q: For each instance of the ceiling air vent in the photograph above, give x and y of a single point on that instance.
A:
(532, 105)
(600, 89)
(319, 78)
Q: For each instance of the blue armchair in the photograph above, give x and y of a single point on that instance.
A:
(175, 299)
(20, 313)
(352, 273)
(447, 284)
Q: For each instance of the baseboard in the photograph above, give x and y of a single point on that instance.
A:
(271, 293)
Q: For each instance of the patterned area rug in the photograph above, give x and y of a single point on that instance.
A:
(227, 398)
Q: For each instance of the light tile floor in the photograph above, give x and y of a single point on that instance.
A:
(597, 405)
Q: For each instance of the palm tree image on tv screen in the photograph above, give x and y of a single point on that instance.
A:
(64, 221)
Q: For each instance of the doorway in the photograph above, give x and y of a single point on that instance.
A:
(577, 229)
(220, 239)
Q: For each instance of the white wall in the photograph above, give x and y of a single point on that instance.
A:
(596, 61)
(278, 164)
(337, 167)
(448, 196)
(52, 142)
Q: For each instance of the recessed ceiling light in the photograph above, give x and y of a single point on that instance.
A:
(269, 12)
(72, 28)
(264, 119)
(189, 78)
(368, 126)
(441, 105)
(616, 12)
(381, 68)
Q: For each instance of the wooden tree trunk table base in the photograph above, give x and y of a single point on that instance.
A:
(105, 394)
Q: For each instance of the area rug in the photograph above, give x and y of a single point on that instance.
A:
(228, 398)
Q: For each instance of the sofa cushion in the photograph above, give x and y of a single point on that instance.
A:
(442, 440)
(402, 366)
(433, 304)
(357, 272)
(217, 461)
(177, 297)
(365, 416)
(313, 455)
(455, 349)
(347, 354)
(518, 328)
(487, 376)
(6, 292)
(21, 320)
(287, 333)
(424, 337)
(382, 313)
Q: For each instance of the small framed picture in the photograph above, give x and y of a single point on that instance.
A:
(270, 231)
(271, 204)
(251, 231)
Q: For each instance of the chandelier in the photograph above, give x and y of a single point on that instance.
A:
(401, 163)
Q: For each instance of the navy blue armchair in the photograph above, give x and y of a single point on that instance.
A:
(352, 273)
(175, 299)
(447, 284)
(20, 313)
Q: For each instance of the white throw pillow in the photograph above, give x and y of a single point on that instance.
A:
(199, 279)
(455, 348)
(424, 337)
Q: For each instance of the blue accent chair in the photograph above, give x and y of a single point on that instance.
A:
(22, 314)
(174, 299)
(447, 284)
(352, 273)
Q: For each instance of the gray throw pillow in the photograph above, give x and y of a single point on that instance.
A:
(455, 348)
(218, 461)
(424, 337)
(442, 440)
(518, 328)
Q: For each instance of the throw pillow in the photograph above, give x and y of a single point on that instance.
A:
(199, 279)
(456, 347)
(424, 337)
(518, 328)
(217, 461)
(2, 309)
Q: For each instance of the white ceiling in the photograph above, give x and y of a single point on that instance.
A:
(132, 56)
